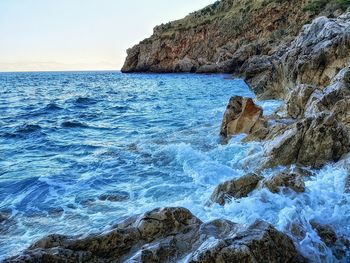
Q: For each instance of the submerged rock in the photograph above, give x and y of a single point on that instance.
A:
(242, 115)
(114, 196)
(340, 246)
(6, 222)
(235, 188)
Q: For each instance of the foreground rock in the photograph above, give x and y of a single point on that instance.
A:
(168, 235)
(242, 115)
(340, 246)
(236, 188)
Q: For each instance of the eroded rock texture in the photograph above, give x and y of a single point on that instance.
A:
(220, 37)
(242, 115)
(235, 188)
(168, 235)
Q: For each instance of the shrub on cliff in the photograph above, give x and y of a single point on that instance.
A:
(317, 5)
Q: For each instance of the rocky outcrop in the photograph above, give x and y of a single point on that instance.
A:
(242, 115)
(314, 58)
(310, 142)
(221, 37)
(292, 181)
(235, 188)
(167, 235)
(321, 131)
(340, 246)
(243, 186)
(257, 243)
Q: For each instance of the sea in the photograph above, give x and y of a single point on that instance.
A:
(82, 151)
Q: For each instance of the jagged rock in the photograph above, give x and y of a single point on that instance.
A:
(235, 188)
(291, 180)
(220, 37)
(320, 51)
(167, 235)
(314, 58)
(310, 142)
(260, 242)
(297, 100)
(333, 98)
(340, 246)
(117, 243)
(242, 116)
(261, 73)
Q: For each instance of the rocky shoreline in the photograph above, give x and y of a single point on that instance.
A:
(309, 70)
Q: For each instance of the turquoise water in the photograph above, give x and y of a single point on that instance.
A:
(69, 139)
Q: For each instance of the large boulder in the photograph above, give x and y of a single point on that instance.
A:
(311, 142)
(166, 235)
(293, 181)
(339, 245)
(260, 242)
(242, 115)
(236, 188)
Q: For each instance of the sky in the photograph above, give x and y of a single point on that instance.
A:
(45, 35)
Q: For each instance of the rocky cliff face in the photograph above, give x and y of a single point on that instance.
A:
(222, 36)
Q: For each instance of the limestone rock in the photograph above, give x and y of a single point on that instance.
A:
(235, 188)
(297, 100)
(260, 242)
(219, 38)
(242, 116)
(314, 58)
(262, 74)
(311, 142)
(283, 179)
(340, 246)
(167, 235)
(116, 244)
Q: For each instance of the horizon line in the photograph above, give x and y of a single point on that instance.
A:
(58, 71)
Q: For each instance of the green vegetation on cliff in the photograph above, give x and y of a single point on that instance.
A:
(318, 5)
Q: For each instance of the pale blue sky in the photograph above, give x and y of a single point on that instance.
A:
(79, 34)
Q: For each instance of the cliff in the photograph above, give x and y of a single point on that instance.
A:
(222, 36)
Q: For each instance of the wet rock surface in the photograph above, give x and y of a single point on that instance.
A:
(236, 188)
(168, 235)
(260, 242)
(114, 196)
(311, 142)
(242, 115)
(340, 246)
(292, 181)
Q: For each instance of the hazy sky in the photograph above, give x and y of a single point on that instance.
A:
(79, 34)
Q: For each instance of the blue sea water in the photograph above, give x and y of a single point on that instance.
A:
(80, 151)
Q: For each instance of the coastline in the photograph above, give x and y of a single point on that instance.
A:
(311, 74)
